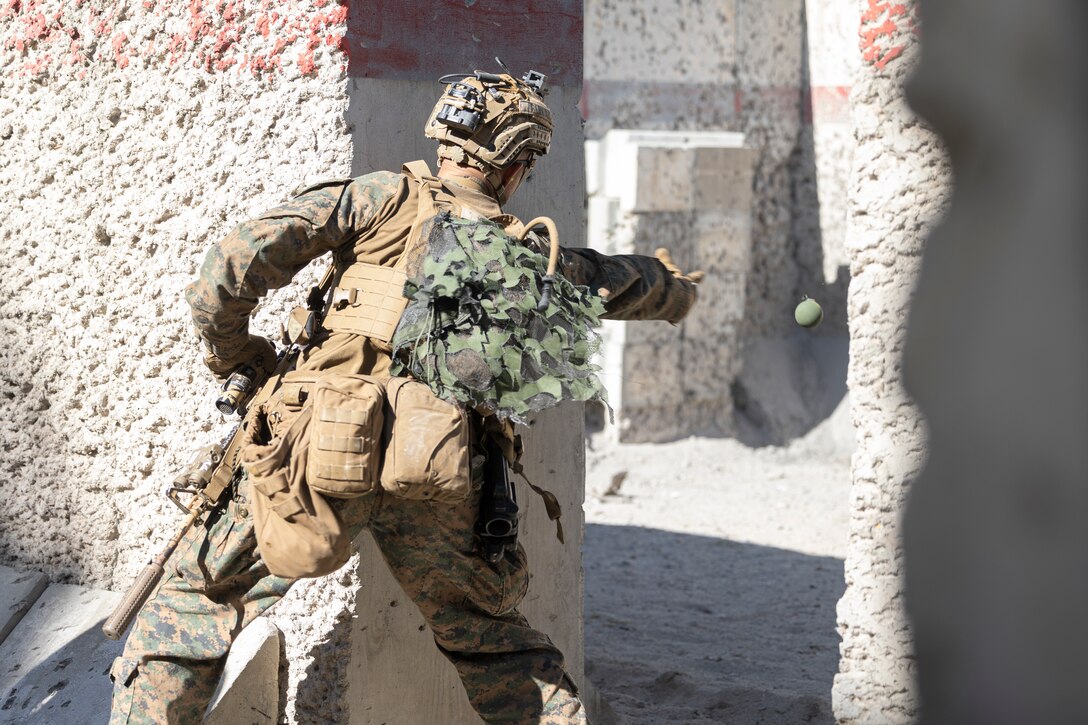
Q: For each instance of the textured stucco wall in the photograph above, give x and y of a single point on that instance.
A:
(778, 72)
(898, 188)
(133, 135)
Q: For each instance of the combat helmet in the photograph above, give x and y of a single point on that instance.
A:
(490, 120)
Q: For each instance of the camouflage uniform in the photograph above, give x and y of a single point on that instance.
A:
(216, 583)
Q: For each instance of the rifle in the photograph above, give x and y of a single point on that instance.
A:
(497, 525)
(212, 469)
(205, 478)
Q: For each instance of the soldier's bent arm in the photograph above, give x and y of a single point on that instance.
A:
(266, 252)
(633, 286)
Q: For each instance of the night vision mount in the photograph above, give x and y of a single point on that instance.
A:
(465, 104)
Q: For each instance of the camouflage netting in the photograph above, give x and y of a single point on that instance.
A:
(472, 331)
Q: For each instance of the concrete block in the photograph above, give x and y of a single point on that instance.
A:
(249, 690)
(18, 592)
(665, 180)
(55, 664)
(723, 178)
(723, 242)
(689, 191)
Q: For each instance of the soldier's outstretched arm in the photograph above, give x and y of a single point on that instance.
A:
(265, 253)
(633, 286)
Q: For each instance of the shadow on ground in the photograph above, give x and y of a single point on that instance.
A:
(695, 629)
(69, 687)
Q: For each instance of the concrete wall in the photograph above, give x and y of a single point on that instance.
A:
(132, 135)
(898, 188)
(690, 190)
(996, 535)
(777, 72)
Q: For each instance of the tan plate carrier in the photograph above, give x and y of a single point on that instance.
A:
(368, 298)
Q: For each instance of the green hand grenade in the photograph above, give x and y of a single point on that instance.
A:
(809, 313)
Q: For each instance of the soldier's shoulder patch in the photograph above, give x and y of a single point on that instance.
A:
(319, 185)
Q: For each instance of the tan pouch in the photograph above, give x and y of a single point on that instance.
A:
(345, 440)
(298, 533)
(427, 453)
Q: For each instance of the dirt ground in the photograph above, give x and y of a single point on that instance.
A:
(712, 574)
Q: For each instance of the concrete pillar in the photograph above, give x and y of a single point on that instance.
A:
(997, 525)
(898, 188)
(396, 673)
(688, 191)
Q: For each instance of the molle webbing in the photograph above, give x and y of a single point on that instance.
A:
(368, 301)
(369, 298)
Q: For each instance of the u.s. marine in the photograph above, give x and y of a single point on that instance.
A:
(491, 129)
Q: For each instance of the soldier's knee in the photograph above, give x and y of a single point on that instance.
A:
(160, 691)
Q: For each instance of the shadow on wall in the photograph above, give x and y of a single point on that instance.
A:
(695, 629)
(790, 384)
(324, 685)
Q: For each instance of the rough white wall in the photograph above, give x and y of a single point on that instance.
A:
(898, 188)
(132, 135)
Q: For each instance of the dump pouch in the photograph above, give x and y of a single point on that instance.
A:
(323, 434)
(427, 453)
(298, 533)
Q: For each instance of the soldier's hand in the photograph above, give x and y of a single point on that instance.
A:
(665, 258)
(681, 296)
(258, 352)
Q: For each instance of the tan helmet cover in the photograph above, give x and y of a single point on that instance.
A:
(489, 121)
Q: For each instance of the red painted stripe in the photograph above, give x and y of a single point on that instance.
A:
(425, 39)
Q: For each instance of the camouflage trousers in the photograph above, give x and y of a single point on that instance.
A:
(216, 584)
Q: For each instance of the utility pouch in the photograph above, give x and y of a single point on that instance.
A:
(345, 440)
(427, 448)
(298, 533)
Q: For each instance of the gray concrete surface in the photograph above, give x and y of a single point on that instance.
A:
(18, 592)
(54, 665)
(249, 690)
